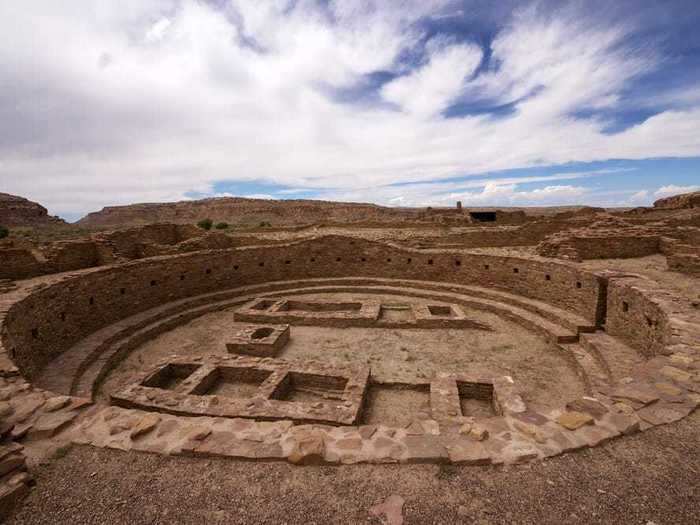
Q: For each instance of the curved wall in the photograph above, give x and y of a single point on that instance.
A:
(48, 321)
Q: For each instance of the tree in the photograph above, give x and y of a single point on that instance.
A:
(221, 225)
(205, 224)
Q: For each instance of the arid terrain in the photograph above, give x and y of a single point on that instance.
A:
(325, 362)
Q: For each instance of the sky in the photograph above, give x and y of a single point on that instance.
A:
(401, 103)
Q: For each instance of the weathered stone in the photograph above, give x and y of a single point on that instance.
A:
(11, 462)
(391, 509)
(589, 406)
(349, 444)
(309, 447)
(675, 373)
(469, 453)
(367, 431)
(56, 403)
(48, 425)
(574, 420)
(668, 389)
(145, 425)
(636, 393)
(423, 448)
(5, 409)
(478, 432)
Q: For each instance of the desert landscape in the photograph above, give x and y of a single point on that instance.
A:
(383, 262)
(406, 348)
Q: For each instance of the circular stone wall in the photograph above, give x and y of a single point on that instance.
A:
(100, 329)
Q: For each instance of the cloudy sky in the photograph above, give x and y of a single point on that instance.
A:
(414, 102)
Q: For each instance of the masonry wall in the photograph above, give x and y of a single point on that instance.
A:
(54, 318)
(634, 317)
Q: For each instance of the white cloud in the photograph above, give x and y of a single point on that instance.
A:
(238, 93)
(672, 189)
(157, 31)
(430, 89)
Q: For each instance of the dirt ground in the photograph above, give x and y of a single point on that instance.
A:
(394, 355)
(652, 477)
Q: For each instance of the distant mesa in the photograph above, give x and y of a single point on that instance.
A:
(677, 202)
(18, 211)
(239, 211)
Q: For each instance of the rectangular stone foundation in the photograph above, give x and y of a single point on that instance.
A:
(354, 314)
(252, 387)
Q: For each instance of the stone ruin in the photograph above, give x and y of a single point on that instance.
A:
(339, 349)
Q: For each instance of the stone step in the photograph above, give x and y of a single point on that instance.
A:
(591, 372)
(619, 358)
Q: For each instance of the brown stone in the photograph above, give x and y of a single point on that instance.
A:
(574, 420)
(48, 425)
(145, 425)
(469, 453)
(588, 405)
(56, 403)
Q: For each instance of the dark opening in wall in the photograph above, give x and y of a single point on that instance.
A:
(122, 291)
(430, 261)
(516, 270)
(483, 216)
(337, 259)
(458, 263)
(548, 277)
(63, 316)
(35, 333)
(409, 260)
(92, 300)
(650, 321)
(578, 284)
(208, 271)
(313, 259)
(363, 259)
(287, 262)
(261, 263)
(486, 267)
(154, 282)
(388, 259)
(625, 306)
(182, 277)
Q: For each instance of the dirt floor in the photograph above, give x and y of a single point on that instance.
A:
(394, 355)
(653, 477)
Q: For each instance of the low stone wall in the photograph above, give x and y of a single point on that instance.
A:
(45, 323)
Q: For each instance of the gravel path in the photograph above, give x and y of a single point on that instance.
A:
(650, 477)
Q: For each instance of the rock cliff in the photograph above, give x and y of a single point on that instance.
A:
(18, 211)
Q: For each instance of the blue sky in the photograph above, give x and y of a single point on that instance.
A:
(409, 103)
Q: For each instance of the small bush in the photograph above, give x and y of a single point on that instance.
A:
(265, 224)
(4, 232)
(205, 224)
(221, 225)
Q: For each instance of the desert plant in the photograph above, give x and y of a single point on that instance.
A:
(265, 224)
(221, 225)
(4, 232)
(205, 224)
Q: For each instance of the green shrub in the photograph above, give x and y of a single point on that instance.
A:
(205, 224)
(4, 232)
(221, 225)
(265, 224)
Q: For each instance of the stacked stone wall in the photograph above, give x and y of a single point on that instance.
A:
(52, 319)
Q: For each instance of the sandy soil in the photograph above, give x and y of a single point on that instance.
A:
(394, 355)
(652, 477)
